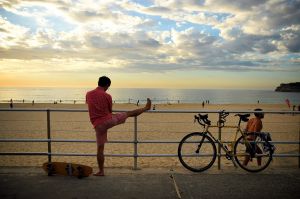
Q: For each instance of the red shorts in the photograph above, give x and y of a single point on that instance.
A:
(101, 129)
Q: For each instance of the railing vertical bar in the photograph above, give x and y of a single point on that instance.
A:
(135, 144)
(299, 143)
(49, 135)
(219, 145)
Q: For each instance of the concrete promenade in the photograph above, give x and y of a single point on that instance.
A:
(16, 182)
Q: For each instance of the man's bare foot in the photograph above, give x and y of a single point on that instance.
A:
(99, 174)
(148, 105)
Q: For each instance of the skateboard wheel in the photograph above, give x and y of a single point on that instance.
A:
(69, 169)
(80, 172)
(50, 169)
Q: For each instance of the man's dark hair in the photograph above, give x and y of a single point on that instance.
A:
(104, 81)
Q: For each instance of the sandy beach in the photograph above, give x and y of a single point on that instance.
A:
(151, 126)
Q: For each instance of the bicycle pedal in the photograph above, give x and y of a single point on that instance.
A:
(234, 164)
(228, 155)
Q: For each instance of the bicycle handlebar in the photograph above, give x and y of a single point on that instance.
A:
(202, 119)
(222, 120)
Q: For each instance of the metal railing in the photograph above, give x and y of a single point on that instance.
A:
(135, 140)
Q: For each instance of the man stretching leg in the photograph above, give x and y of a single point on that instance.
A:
(100, 112)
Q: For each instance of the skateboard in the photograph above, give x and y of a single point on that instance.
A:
(67, 169)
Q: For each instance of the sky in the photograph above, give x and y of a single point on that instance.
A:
(213, 44)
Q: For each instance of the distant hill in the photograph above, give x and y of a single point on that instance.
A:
(290, 87)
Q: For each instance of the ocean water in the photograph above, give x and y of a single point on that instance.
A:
(131, 95)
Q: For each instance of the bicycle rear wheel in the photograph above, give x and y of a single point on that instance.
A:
(252, 155)
(197, 152)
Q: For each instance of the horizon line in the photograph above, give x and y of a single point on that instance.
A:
(171, 88)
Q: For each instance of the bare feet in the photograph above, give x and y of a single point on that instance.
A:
(99, 174)
(148, 105)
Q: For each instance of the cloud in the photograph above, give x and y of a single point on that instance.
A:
(11, 34)
(234, 6)
(291, 38)
(163, 36)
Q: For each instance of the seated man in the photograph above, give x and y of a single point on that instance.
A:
(254, 125)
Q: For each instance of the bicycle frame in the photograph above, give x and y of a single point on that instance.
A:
(217, 141)
(229, 153)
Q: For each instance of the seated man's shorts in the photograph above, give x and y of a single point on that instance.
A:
(101, 129)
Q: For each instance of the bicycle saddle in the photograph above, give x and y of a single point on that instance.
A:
(243, 117)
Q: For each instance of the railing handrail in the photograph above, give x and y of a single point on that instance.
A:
(121, 141)
(150, 111)
(135, 141)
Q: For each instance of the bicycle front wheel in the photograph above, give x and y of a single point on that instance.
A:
(197, 152)
(251, 155)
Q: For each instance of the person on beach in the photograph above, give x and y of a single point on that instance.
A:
(254, 125)
(100, 113)
(11, 105)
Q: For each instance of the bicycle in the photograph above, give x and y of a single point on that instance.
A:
(197, 150)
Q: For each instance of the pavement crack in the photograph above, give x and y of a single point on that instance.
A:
(175, 186)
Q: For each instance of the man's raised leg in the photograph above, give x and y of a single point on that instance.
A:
(139, 111)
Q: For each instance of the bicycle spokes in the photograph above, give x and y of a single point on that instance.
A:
(249, 154)
(197, 152)
(200, 144)
(198, 149)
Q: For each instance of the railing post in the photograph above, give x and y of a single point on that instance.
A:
(135, 155)
(49, 135)
(219, 145)
(299, 144)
